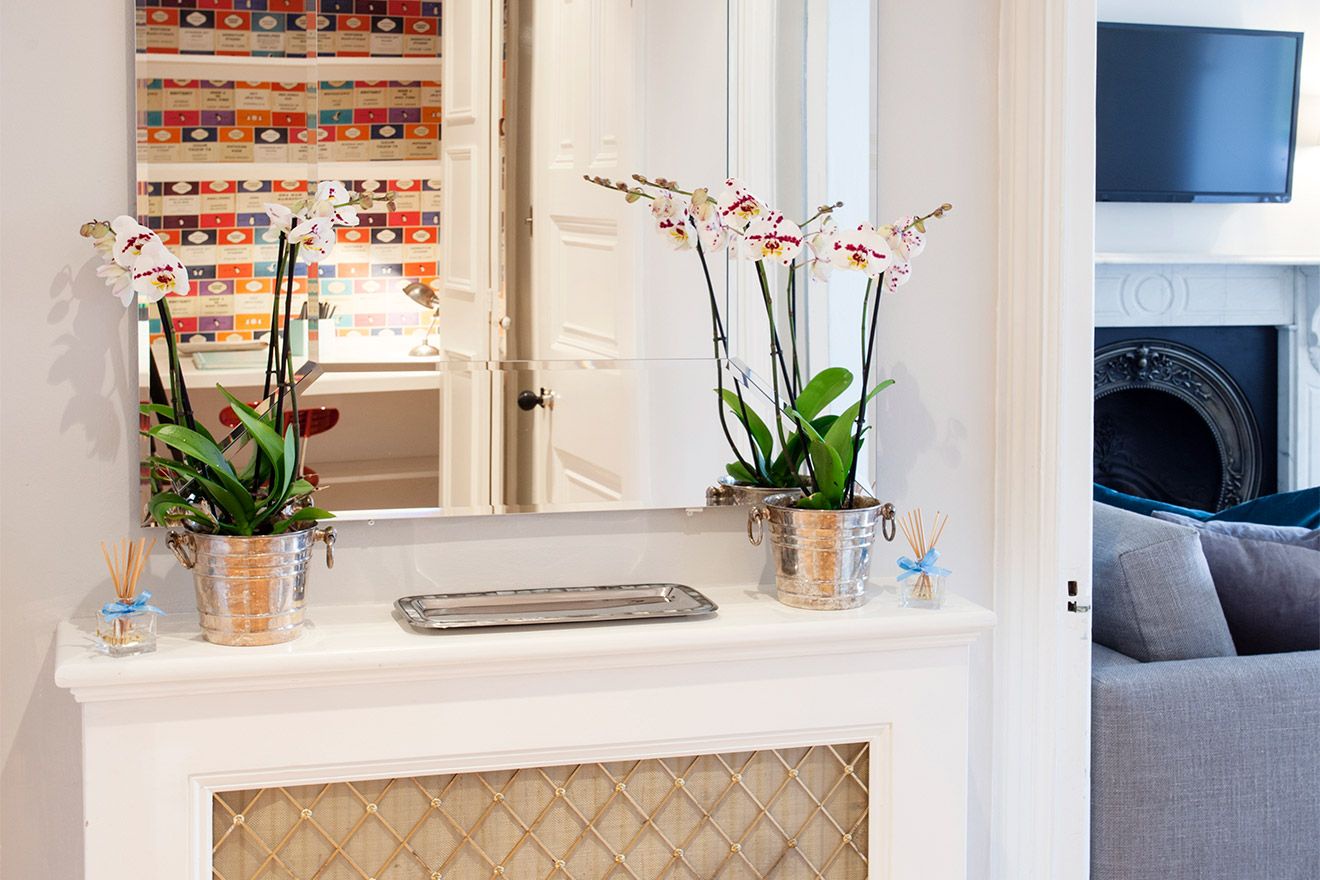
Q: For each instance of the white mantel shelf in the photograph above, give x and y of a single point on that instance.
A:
(361, 696)
(1138, 259)
(365, 644)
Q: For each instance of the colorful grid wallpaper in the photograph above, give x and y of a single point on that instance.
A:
(225, 121)
(219, 229)
(279, 28)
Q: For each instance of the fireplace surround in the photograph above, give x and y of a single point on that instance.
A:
(1137, 293)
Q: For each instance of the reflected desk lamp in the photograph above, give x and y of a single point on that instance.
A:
(426, 297)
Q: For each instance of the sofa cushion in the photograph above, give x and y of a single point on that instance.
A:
(1299, 509)
(1153, 595)
(1309, 538)
(1270, 592)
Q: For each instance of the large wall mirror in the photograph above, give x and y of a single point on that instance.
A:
(505, 337)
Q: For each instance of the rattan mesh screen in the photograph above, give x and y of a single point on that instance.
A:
(784, 814)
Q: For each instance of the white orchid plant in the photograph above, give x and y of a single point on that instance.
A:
(199, 483)
(733, 220)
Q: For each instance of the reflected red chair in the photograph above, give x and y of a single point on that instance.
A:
(310, 422)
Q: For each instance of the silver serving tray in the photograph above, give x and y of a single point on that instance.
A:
(553, 605)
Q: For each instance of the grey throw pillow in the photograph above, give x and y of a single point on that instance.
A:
(1309, 538)
(1153, 595)
(1270, 592)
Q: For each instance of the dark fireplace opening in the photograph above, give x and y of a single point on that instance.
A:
(1186, 414)
(1178, 463)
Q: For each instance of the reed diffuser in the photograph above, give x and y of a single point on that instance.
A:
(128, 624)
(921, 581)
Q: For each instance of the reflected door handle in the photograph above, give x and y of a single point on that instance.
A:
(530, 400)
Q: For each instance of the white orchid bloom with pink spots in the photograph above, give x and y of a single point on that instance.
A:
(860, 249)
(314, 238)
(157, 273)
(738, 207)
(131, 237)
(710, 227)
(821, 244)
(281, 218)
(671, 220)
(897, 275)
(772, 238)
(119, 279)
(331, 202)
(906, 242)
(904, 239)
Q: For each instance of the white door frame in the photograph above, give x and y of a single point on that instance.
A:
(1041, 778)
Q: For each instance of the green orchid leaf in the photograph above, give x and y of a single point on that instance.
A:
(157, 409)
(814, 501)
(736, 470)
(192, 443)
(304, 515)
(299, 488)
(822, 390)
(790, 460)
(753, 423)
(258, 428)
(162, 503)
(839, 436)
(220, 496)
(830, 472)
(204, 450)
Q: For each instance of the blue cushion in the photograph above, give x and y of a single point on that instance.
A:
(1144, 506)
(1300, 508)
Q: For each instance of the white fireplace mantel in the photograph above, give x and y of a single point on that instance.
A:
(1156, 290)
(360, 696)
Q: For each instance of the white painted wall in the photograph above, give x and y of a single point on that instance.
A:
(1290, 230)
(67, 370)
(937, 142)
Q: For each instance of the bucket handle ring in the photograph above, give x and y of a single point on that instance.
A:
(327, 536)
(184, 547)
(756, 517)
(887, 527)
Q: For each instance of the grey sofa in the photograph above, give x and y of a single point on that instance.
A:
(1205, 764)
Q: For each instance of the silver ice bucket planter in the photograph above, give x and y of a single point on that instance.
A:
(822, 557)
(250, 591)
(728, 493)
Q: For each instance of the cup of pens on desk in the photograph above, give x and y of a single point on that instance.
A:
(298, 327)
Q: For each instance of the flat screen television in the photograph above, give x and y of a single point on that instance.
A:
(1193, 114)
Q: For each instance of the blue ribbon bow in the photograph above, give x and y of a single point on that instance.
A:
(926, 565)
(121, 608)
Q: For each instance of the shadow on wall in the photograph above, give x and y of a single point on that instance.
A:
(93, 406)
(906, 432)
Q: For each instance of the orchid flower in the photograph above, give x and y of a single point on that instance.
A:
(157, 272)
(332, 201)
(281, 218)
(861, 249)
(671, 216)
(772, 238)
(906, 242)
(119, 279)
(821, 243)
(738, 207)
(710, 227)
(131, 238)
(315, 236)
(904, 238)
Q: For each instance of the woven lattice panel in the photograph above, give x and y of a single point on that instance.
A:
(783, 814)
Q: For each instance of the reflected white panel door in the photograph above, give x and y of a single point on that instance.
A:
(466, 247)
(585, 119)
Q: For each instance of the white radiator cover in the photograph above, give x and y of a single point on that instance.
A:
(359, 697)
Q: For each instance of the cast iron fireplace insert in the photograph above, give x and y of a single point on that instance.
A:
(1172, 425)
